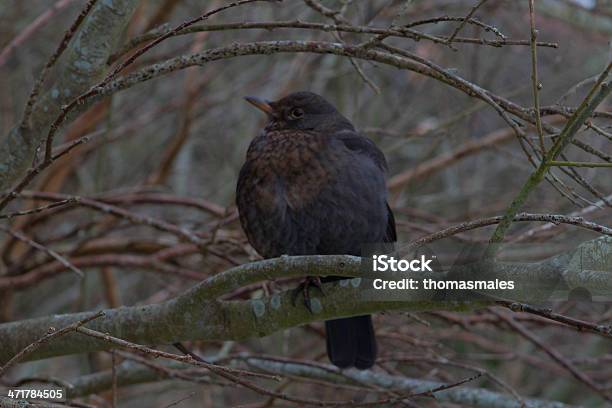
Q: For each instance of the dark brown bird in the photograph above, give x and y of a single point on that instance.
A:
(312, 185)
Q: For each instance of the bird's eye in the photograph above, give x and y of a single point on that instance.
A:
(296, 113)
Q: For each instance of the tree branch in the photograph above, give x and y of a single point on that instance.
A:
(129, 373)
(82, 66)
(463, 395)
(199, 314)
(598, 93)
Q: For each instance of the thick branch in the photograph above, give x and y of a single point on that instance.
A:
(198, 314)
(81, 67)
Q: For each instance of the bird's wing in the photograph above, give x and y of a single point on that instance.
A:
(365, 146)
(359, 143)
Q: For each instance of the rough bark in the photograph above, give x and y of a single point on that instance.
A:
(81, 66)
(198, 314)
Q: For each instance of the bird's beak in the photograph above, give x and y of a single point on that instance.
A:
(260, 104)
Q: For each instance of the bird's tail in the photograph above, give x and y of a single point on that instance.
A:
(351, 342)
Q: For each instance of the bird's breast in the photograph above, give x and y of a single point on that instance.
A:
(302, 193)
(294, 166)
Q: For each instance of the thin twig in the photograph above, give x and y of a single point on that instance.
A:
(394, 31)
(596, 95)
(483, 222)
(37, 169)
(51, 334)
(61, 259)
(554, 354)
(577, 164)
(337, 17)
(217, 369)
(584, 211)
(464, 21)
(535, 82)
(446, 362)
(473, 21)
(37, 210)
(128, 261)
(327, 12)
(581, 325)
(28, 31)
(233, 375)
(430, 393)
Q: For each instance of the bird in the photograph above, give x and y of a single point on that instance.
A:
(312, 184)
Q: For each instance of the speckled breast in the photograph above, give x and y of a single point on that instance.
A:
(305, 193)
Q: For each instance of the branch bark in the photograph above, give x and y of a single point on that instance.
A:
(199, 314)
(83, 64)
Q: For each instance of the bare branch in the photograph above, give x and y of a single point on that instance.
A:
(52, 333)
(172, 321)
(464, 21)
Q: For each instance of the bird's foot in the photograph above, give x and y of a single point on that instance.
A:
(304, 288)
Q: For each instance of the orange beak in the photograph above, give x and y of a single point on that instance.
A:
(260, 104)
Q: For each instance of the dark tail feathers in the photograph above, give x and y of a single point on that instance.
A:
(351, 342)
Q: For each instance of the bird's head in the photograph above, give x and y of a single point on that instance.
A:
(301, 111)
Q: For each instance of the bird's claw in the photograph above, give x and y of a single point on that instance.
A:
(304, 288)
